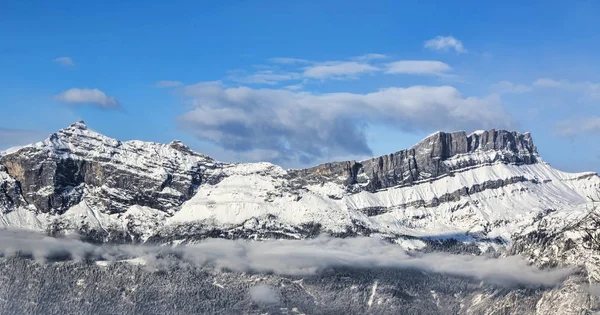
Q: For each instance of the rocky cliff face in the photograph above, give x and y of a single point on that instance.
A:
(54, 175)
(10, 192)
(437, 155)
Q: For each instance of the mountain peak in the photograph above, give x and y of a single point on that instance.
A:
(448, 144)
(79, 135)
(180, 146)
(80, 124)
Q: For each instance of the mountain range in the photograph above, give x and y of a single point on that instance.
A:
(484, 193)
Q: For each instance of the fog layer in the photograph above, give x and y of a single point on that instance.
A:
(285, 257)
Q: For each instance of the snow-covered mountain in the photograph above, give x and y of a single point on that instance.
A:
(484, 186)
(487, 193)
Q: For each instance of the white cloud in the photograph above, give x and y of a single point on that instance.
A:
(425, 67)
(445, 43)
(338, 69)
(588, 89)
(167, 84)
(302, 126)
(265, 294)
(65, 61)
(294, 87)
(505, 87)
(268, 77)
(283, 60)
(88, 96)
(288, 257)
(578, 126)
(294, 69)
(544, 82)
(368, 57)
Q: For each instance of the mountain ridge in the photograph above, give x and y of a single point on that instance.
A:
(525, 140)
(79, 143)
(485, 184)
(429, 158)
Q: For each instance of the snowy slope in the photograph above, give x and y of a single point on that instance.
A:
(493, 212)
(486, 185)
(257, 190)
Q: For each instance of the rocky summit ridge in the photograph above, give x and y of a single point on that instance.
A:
(437, 155)
(53, 174)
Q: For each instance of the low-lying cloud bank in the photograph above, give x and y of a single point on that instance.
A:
(286, 257)
(265, 294)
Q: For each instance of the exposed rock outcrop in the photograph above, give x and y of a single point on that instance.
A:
(10, 192)
(54, 174)
(437, 155)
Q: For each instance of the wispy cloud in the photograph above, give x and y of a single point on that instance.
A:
(302, 126)
(507, 87)
(368, 57)
(422, 67)
(167, 84)
(284, 60)
(303, 70)
(589, 90)
(294, 87)
(578, 126)
(544, 82)
(338, 69)
(445, 43)
(268, 77)
(64, 61)
(289, 257)
(93, 97)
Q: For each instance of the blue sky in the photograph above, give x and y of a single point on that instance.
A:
(301, 82)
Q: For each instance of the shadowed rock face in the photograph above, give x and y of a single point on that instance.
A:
(54, 175)
(437, 155)
(10, 192)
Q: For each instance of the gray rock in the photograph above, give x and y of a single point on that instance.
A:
(10, 192)
(55, 174)
(435, 156)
